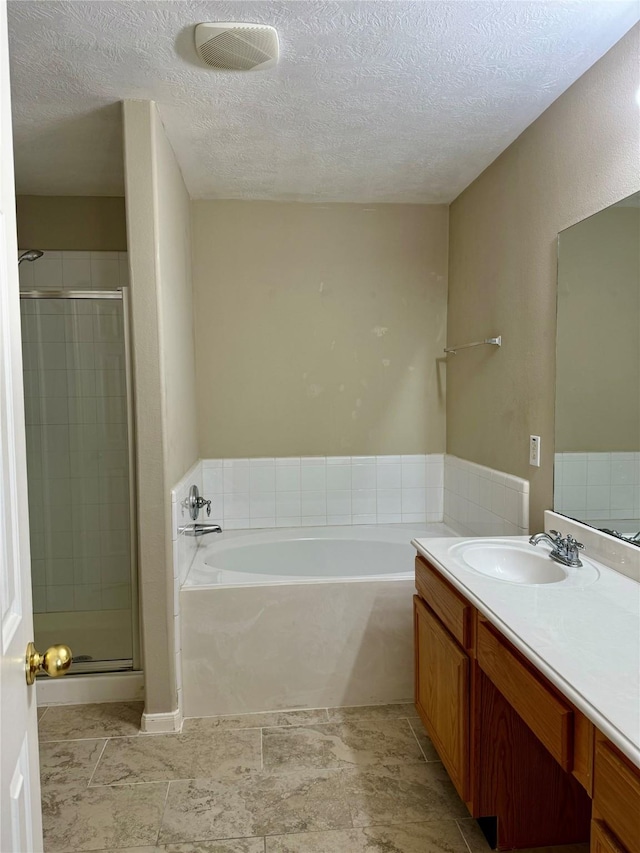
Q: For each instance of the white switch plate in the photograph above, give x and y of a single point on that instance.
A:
(534, 450)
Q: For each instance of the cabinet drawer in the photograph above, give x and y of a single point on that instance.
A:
(616, 795)
(453, 610)
(548, 717)
(602, 841)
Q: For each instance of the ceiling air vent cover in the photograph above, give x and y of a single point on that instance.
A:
(237, 47)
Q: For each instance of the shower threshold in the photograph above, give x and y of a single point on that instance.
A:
(90, 667)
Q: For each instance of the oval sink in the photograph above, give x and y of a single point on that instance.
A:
(519, 562)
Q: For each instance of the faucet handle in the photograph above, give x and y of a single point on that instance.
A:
(557, 536)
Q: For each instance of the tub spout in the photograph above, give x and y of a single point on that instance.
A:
(199, 529)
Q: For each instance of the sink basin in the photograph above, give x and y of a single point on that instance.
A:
(518, 562)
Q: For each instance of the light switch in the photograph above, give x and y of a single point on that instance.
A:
(534, 450)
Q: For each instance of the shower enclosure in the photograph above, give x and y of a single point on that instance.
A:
(78, 412)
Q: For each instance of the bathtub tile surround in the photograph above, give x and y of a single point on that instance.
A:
(481, 501)
(346, 490)
(318, 490)
(595, 486)
(350, 643)
(345, 597)
(232, 623)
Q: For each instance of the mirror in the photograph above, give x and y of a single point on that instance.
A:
(597, 438)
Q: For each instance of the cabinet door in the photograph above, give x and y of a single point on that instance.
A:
(616, 795)
(442, 693)
(602, 841)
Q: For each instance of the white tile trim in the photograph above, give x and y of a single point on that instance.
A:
(480, 501)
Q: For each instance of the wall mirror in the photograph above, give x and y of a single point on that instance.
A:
(597, 435)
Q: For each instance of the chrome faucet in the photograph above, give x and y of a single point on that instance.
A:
(564, 549)
(199, 529)
(632, 538)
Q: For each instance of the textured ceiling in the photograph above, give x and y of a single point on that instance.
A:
(372, 101)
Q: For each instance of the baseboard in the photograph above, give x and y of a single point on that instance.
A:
(83, 689)
(162, 723)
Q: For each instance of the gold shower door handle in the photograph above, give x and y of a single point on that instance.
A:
(55, 661)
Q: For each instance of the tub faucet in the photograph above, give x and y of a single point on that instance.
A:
(199, 529)
(564, 550)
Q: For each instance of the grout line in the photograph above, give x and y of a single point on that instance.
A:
(154, 782)
(464, 838)
(164, 808)
(95, 737)
(104, 746)
(413, 732)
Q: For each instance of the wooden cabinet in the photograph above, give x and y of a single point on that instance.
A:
(602, 841)
(451, 608)
(530, 695)
(514, 746)
(616, 796)
(442, 693)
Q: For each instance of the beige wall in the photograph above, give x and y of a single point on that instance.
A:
(598, 350)
(318, 328)
(159, 257)
(71, 223)
(176, 309)
(580, 156)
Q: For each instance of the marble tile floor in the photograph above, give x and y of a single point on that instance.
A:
(338, 780)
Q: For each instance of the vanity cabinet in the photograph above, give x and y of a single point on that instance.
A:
(616, 800)
(442, 693)
(516, 749)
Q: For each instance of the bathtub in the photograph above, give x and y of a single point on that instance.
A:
(299, 618)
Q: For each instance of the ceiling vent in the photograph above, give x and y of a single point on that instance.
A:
(237, 47)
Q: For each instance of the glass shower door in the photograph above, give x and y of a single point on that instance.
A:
(79, 472)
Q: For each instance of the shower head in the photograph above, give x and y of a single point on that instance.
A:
(30, 255)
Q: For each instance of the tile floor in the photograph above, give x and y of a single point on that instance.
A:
(342, 780)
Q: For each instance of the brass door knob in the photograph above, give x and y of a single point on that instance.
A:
(55, 661)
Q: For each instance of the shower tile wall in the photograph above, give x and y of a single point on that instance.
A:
(75, 271)
(77, 454)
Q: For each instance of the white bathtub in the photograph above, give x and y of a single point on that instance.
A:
(299, 618)
(308, 555)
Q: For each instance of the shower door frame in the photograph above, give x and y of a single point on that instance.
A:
(121, 294)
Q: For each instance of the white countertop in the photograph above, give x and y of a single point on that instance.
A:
(586, 641)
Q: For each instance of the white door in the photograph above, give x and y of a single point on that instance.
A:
(20, 818)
